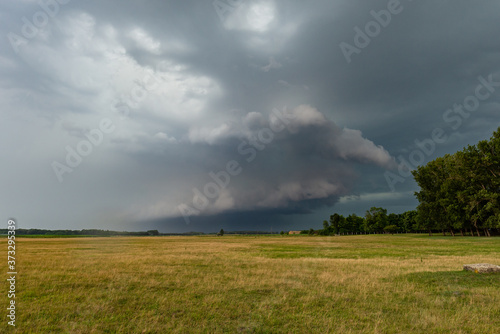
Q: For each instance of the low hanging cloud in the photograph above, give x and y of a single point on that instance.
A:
(292, 161)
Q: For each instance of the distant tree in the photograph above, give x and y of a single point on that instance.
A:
(355, 223)
(375, 219)
(335, 222)
(409, 221)
(325, 225)
(221, 233)
(344, 227)
(153, 232)
(393, 219)
(391, 229)
(347, 225)
(327, 229)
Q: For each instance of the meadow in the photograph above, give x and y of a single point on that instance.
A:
(255, 284)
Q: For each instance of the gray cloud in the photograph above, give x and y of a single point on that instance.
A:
(184, 87)
(288, 160)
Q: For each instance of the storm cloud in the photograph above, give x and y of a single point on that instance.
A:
(127, 115)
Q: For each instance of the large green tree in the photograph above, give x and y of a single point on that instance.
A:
(375, 219)
(461, 191)
(335, 221)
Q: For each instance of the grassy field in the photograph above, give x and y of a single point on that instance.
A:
(248, 284)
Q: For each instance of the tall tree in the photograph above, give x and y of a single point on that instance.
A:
(375, 219)
(409, 221)
(461, 191)
(335, 222)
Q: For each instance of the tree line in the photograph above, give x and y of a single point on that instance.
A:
(89, 232)
(376, 220)
(459, 193)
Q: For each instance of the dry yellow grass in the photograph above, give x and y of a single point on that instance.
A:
(243, 284)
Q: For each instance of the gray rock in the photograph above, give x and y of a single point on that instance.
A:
(482, 268)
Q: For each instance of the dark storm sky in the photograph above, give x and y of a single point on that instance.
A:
(201, 115)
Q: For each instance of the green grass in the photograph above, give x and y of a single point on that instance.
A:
(371, 247)
(263, 284)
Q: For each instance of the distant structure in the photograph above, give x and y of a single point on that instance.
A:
(294, 232)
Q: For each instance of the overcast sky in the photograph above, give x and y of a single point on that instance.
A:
(242, 115)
